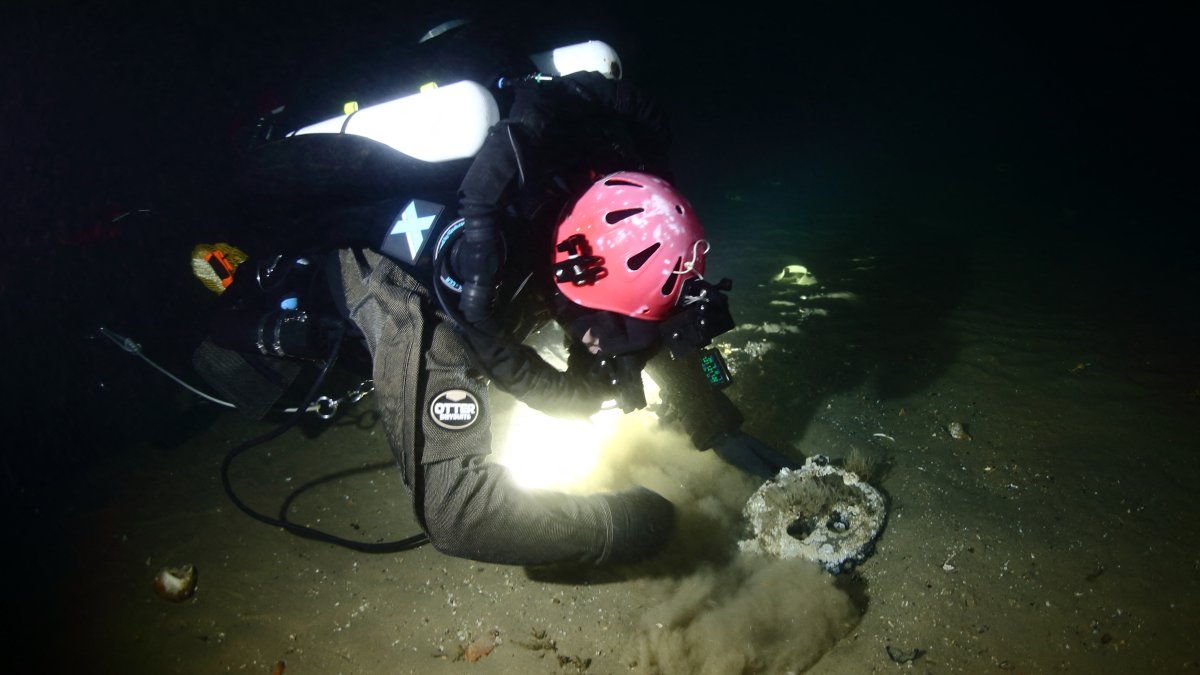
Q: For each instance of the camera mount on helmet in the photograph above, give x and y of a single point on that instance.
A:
(580, 267)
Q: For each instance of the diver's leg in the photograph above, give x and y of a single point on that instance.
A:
(473, 509)
(469, 507)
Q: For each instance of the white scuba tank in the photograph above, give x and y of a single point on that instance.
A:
(435, 125)
(593, 55)
(448, 122)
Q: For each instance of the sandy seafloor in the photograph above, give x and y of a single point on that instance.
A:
(1033, 288)
(1059, 538)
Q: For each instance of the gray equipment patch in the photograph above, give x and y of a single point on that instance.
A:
(409, 232)
(454, 409)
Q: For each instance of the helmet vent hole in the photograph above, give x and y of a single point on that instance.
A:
(636, 262)
(679, 209)
(669, 284)
(614, 217)
(622, 182)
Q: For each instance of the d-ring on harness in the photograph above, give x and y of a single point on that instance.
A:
(326, 407)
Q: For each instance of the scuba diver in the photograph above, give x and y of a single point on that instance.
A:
(438, 264)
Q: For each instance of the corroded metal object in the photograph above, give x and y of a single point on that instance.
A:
(820, 512)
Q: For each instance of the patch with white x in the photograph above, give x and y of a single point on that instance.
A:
(408, 234)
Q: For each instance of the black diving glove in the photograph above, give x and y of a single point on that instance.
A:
(751, 455)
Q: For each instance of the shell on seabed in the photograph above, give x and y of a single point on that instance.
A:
(958, 431)
(481, 647)
(175, 583)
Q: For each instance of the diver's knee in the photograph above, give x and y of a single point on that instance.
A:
(446, 524)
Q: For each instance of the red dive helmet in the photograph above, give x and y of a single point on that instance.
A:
(628, 245)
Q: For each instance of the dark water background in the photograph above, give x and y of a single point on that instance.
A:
(1039, 162)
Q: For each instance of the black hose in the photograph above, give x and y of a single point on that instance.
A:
(455, 312)
(300, 530)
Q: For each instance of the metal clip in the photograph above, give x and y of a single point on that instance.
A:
(325, 407)
(364, 389)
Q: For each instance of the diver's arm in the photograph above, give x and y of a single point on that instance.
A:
(486, 190)
(703, 411)
(711, 420)
(516, 146)
(520, 371)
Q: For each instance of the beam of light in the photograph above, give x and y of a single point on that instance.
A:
(553, 453)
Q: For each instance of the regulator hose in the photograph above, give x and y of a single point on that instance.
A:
(301, 530)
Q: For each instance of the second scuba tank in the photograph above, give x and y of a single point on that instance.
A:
(593, 55)
(443, 123)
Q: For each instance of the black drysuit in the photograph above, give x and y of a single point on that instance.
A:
(556, 139)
